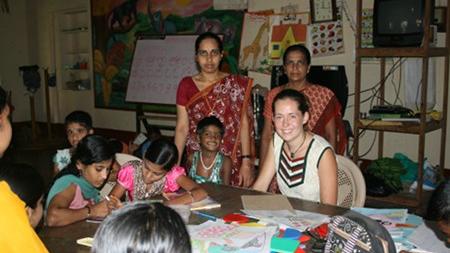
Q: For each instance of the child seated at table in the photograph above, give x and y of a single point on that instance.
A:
(26, 182)
(439, 208)
(78, 124)
(153, 133)
(118, 148)
(74, 195)
(209, 164)
(142, 227)
(16, 234)
(140, 180)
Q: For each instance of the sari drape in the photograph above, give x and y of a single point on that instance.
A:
(88, 190)
(228, 100)
(323, 107)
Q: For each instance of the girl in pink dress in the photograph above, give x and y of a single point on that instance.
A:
(156, 174)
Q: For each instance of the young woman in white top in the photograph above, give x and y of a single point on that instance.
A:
(304, 163)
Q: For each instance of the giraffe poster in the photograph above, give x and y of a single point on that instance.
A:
(253, 53)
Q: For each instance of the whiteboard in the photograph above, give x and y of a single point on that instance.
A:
(158, 66)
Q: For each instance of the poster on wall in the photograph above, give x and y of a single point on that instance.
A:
(367, 28)
(283, 36)
(285, 30)
(116, 24)
(325, 39)
(253, 54)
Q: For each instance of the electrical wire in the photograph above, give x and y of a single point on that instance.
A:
(371, 146)
(375, 95)
(349, 18)
(375, 89)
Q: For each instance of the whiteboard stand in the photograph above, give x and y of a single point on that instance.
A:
(158, 65)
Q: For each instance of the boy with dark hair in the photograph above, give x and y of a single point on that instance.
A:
(26, 182)
(78, 124)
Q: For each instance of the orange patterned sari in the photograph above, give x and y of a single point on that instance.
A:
(323, 107)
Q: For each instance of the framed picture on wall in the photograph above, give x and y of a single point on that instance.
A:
(115, 25)
(323, 10)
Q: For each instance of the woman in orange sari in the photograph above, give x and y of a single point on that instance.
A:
(324, 108)
(227, 97)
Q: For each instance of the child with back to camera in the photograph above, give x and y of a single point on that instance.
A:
(439, 208)
(209, 164)
(13, 214)
(142, 227)
(78, 124)
(26, 182)
(156, 174)
(74, 196)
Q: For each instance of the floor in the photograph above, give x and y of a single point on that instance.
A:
(38, 152)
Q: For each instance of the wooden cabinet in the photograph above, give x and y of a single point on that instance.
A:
(73, 49)
(419, 129)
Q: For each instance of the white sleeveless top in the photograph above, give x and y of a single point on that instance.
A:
(303, 181)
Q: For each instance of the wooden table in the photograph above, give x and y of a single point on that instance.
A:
(63, 239)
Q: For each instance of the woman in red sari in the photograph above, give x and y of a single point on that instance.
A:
(212, 92)
(324, 108)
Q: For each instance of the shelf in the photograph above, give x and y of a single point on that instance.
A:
(398, 127)
(76, 53)
(73, 49)
(401, 52)
(80, 11)
(75, 30)
(418, 128)
(81, 70)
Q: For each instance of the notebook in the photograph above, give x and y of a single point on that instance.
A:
(205, 204)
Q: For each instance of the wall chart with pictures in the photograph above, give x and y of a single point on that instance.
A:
(325, 39)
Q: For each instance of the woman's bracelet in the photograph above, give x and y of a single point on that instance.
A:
(89, 211)
(192, 196)
(246, 157)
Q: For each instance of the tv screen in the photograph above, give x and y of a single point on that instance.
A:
(398, 22)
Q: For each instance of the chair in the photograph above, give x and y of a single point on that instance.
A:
(351, 184)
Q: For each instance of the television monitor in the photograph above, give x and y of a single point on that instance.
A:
(399, 23)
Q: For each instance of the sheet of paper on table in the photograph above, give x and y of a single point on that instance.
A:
(426, 240)
(300, 220)
(216, 236)
(259, 202)
(391, 215)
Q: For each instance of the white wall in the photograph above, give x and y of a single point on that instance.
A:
(16, 45)
(31, 42)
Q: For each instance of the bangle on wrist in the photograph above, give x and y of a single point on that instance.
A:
(89, 211)
(245, 157)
